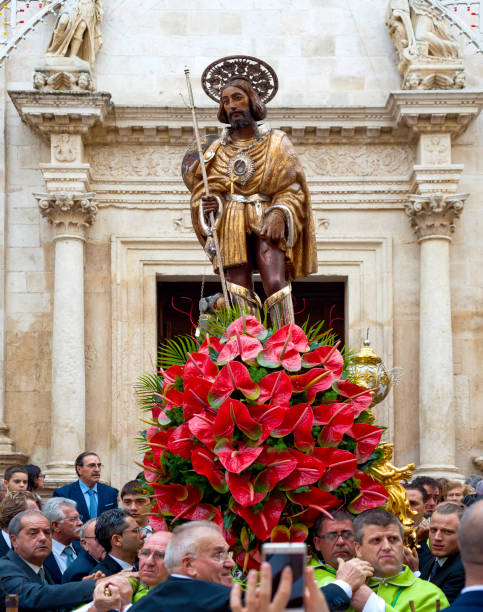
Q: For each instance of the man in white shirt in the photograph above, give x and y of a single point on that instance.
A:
(65, 524)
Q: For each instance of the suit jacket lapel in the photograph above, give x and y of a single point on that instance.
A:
(26, 569)
(81, 503)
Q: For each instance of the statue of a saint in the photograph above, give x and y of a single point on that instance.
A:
(258, 192)
(76, 31)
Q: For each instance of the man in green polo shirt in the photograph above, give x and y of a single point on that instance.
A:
(378, 538)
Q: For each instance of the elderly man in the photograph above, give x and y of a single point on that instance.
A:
(22, 571)
(91, 554)
(65, 523)
(379, 540)
(444, 568)
(92, 497)
(470, 537)
(121, 537)
(335, 543)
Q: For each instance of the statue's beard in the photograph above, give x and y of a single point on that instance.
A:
(240, 122)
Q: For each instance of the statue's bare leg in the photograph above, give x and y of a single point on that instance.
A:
(240, 288)
(271, 263)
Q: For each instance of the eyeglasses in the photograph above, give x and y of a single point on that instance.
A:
(332, 536)
(72, 519)
(93, 465)
(222, 556)
(145, 553)
(136, 530)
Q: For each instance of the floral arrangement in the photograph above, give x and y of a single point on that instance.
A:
(258, 431)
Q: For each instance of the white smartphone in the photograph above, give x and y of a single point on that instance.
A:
(294, 554)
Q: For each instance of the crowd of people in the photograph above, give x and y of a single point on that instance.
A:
(78, 550)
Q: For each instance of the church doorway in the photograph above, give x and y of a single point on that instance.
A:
(177, 305)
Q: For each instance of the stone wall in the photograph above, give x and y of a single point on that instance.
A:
(327, 55)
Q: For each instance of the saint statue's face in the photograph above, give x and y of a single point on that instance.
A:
(237, 107)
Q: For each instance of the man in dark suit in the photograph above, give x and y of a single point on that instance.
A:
(64, 525)
(22, 571)
(444, 568)
(470, 537)
(121, 537)
(200, 580)
(89, 556)
(92, 497)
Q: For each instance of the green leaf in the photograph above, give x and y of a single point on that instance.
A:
(174, 351)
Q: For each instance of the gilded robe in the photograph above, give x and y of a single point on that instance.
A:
(277, 174)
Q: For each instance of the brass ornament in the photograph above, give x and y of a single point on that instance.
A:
(398, 502)
(367, 370)
(241, 168)
(258, 73)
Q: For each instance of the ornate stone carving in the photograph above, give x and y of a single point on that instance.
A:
(358, 160)
(70, 213)
(428, 51)
(434, 214)
(77, 30)
(55, 79)
(132, 161)
(65, 148)
(437, 150)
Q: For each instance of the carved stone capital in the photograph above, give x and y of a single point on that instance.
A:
(434, 214)
(69, 213)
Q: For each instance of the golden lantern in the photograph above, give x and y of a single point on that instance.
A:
(367, 370)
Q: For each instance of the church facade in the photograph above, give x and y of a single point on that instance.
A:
(95, 215)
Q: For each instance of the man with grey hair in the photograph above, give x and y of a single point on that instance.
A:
(199, 562)
(470, 537)
(91, 554)
(22, 571)
(65, 523)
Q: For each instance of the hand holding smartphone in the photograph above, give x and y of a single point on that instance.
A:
(293, 554)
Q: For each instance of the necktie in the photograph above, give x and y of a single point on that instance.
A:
(92, 503)
(433, 570)
(42, 576)
(69, 553)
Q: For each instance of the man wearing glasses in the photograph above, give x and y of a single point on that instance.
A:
(335, 543)
(92, 497)
(121, 537)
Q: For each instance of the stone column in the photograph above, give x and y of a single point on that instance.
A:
(432, 217)
(70, 214)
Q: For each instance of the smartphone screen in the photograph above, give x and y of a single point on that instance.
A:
(296, 560)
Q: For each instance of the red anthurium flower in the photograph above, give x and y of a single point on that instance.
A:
(166, 402)
(296, 533)
(242, 346)
(201, 426)
(359, 397)
(159, 443)
(246, 324)
(327, 356)
(236, 459)
(175, 499)
(276, 387)
(248, 560)
(171, 375)
(293, 417)
(263, 521)
(314, 498)
(210, 342)
(268, 416)
(199, 364)
(367, 438)
(195, 397)
(231, 413)
(337, 418)
(303, 439)
(340, 464)
(372, 494)
(243, 489)
(204, 512)
(157, 523)
(312, 382)
(233, 376)
(283, 349)
(181, 442)
(279, 468)
(204, 463)
(307, 471)
(150, 469)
